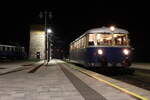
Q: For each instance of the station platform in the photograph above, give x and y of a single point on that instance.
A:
(92, 86)
(63, 81)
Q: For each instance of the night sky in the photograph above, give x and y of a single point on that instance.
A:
(70, 20)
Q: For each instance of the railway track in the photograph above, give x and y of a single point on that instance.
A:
(140, 78)
(31, 67)
(136, 79)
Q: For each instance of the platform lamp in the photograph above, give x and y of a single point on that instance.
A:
(45, 15)
(49, 31)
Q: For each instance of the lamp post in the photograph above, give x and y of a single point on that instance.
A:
(46, 14)
(49, 31)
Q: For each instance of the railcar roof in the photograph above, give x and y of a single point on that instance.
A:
(103, 30)
(107, 30)
(7, 45)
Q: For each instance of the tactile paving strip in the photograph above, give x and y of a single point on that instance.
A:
(87, 92)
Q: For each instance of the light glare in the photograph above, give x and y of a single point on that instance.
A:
(100, 52)
(112, 28)
(126, 51)
(49, 30)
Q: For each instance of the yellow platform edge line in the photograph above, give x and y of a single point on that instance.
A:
(109, 83)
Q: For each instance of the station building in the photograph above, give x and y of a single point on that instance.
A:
(37, 42)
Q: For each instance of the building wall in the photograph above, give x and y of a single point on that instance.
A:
(37, 42)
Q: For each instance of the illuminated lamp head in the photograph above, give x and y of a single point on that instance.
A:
(126, 51)
(100, 51)
(112, 28)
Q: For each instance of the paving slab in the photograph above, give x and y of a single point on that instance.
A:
(47, 83)
(52, 82)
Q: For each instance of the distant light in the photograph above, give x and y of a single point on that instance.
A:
(112, 28)
(49, 30)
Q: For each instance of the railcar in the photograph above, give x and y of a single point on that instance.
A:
(102, 47)
(11, 52)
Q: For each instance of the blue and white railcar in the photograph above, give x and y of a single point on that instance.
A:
(100, 47)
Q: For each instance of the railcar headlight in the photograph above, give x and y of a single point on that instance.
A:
(100, 51)
(126, 51)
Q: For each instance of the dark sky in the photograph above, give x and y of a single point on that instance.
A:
(70, 20)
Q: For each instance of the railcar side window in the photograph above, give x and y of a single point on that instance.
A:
(79, 43)
(13, 49)
(16, 49)
(91, 39)
(84, 41)
(5, 48)
(8, 49)
(73, 46)
(1, 48)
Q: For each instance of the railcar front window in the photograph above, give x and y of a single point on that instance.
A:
(104, 39)
(108, 39)
(120, 39)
